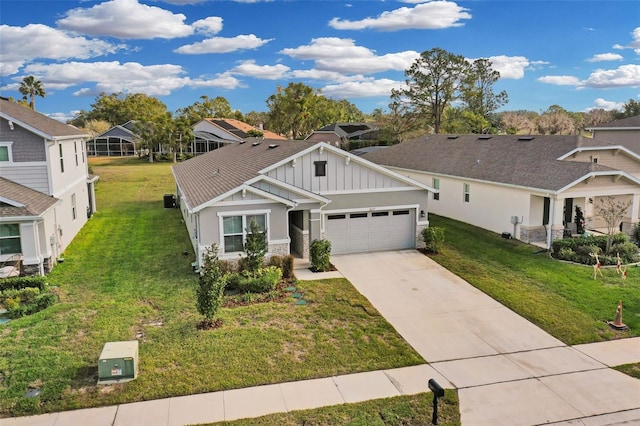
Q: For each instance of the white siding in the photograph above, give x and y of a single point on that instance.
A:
(31, 175)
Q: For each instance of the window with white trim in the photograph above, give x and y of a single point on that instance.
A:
(10, 238)
(467, 192)
(235, 229)
(73, 206)
(436, 185)
(5, 152)
(75, 151)
(320, 168)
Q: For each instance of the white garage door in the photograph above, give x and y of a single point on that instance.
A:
(370, 231)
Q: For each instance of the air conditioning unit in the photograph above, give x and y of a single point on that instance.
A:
(118, 362)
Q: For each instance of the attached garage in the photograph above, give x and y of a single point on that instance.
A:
(357, 232)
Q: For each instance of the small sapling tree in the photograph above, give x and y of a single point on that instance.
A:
(210, 288)
(612, 212)
(255, 246)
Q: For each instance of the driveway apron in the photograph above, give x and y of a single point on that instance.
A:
(507, 370)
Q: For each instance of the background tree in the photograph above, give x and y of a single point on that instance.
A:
(556, 121)
(217, 107)
(289, 109)
(433, 82)
(30, 87)
(259, 119)
(629, 109)
(210, 290)
(96, 127)
(612, 211)
(118, 108)
(595, 117)
(479, 100)
(154, 133)
(519, 122)
(399, 124)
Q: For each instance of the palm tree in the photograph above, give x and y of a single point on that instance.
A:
(31, 87)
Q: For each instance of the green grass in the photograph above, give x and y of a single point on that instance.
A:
(561, 298)
(632, 370)
(402, 410)
(125, 273)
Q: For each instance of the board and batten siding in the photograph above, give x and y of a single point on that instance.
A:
(342, 175)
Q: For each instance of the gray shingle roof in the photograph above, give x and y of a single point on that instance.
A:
(621, 123)
(210, 175)
(35, 202)
(46, 125)
(506, 159)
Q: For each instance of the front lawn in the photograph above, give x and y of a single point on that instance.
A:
(126, 276)
(561, 298)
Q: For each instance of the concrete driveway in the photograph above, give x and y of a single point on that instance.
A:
(507, 370)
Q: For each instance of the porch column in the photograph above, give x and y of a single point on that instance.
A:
(556, 217)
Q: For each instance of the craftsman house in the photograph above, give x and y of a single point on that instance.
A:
(214, 133)
(46, 192)
(299, 192)
(527, 186)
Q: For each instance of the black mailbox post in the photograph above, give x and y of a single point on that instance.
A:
(438, 392)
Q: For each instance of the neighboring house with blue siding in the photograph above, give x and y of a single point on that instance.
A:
(46, 192)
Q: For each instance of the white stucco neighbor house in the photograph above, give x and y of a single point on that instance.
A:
(46, 192)
(299, 192)
(528, 186)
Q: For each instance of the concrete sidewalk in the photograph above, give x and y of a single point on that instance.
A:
(507, 371)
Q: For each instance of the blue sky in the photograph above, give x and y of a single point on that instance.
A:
(577, 54)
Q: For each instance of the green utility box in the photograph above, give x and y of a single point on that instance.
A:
(118, 362)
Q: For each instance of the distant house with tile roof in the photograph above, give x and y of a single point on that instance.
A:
(340, 134)
(298, 191)
(213, 133)
(46, 192)
(528, 186)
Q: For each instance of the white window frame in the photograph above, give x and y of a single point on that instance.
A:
(75, 152)
(436, 185)
(9, 151)
(466, 192)
(7, 237)
(245, 225)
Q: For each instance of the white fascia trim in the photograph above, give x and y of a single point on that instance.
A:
(249, 188)
(600, 148)
(14, 219)
(591, 129)
(371, 190)
(243, 203)
(288, 187)
(10, 202)
(596, 174)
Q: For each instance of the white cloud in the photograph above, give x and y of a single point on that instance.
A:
(323, 75)
(623, 76)
(222, 45)
(343, 56)
(606, 105)
(511, 67)
(560, 80)
(126, 19)
(362, 89)
(21, 45)
(603, 57)
(635, 44)
(209, 26)
(431, 15)
(265, 72)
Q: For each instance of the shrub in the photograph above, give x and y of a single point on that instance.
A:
(584, 254)
(628, 252)
(23, 282)
(255, 246)
(566, 253)
(31, 304)
(261, 281)
(635, 235)
(320, 253)
(433, 237)
(211, 284)
(285, 263)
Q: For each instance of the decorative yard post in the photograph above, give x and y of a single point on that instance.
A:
(438, 392)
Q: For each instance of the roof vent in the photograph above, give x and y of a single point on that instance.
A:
(241, 142)
(255, 144)
(525, 138)
(273, 145)
(485, 137)
(452, 137)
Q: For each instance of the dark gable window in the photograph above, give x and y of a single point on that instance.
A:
(321, 168)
